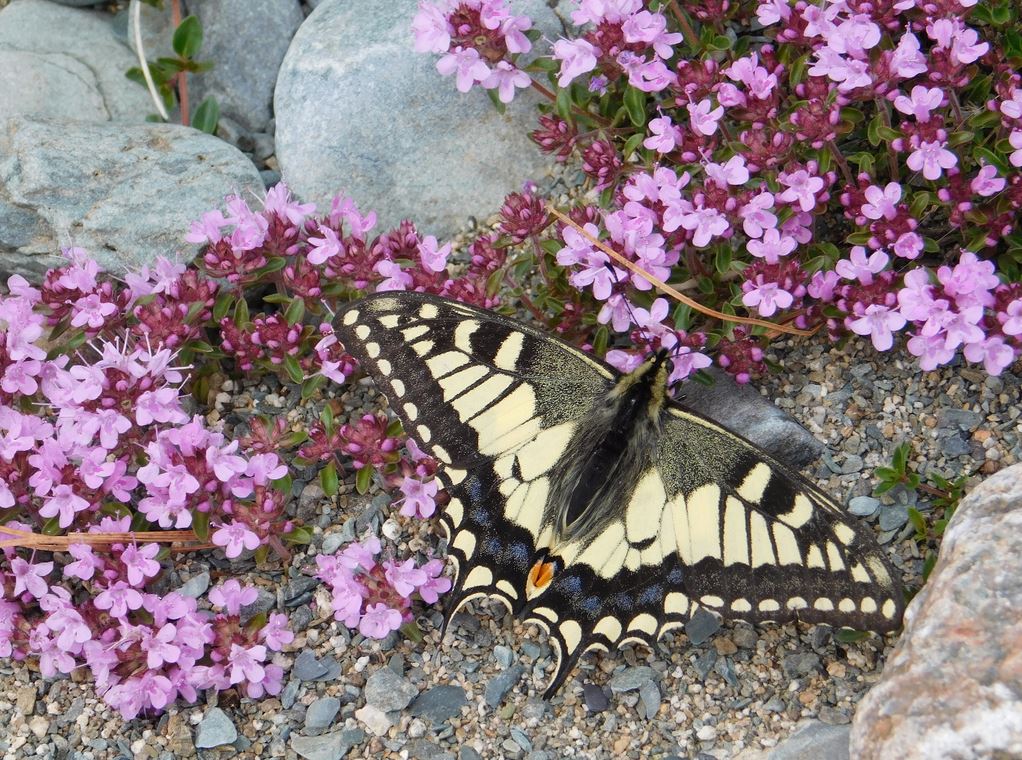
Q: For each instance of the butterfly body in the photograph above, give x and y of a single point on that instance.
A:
(594, 505)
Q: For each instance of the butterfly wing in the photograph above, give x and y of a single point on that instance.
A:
(491, 399)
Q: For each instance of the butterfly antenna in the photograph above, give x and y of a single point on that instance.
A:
(619, 289)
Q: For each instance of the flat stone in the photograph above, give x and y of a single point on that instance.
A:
(332, 746)
(307, 667)
(893, 516)
(65, 64)
(520, 738)
(814, 741)
(741, 408)
(375, 719)
(388, 691)
(498, 686)
(701, 626)
(649, 695)
(195, 586)
(503, 655)
(953, 685)
(631, 678)
(442, 157)
(595, 697)
(290, 693)
(439, 704)
(962, 419)
(25, 701)
(745, 637)
(138, 188)
(247, 39)
(215, 730)
(800, 664)
(321, 714)
(863, 506)
(852, 463)
(704, 662)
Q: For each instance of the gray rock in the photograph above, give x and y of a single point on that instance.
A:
(742, 409)
(307, 667)
(439, 704)
(61, 63)
(442, 157)
(631, 678)
(726, 669)
(701, 626)
(321, 714)
(649, 695)
(332, 746)
(503, 655)
(215, 730)
(814, 741)
(800, 664)
(299, 590)
(246, 39)
(531, 649)
(388, 691)
(744, 637)
(953, 686)
(467, 753)
(520, 738)
(863, 506)
(332, 542)
(596, 698)
(195, 586)
(704, 662)
(290, 693)
(126, 194)
(962, 419)
(500, 685)
(852, 463)
(893, 516)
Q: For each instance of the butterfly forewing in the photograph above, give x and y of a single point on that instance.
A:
(700, 517)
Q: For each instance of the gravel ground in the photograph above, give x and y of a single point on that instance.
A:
(703, 693)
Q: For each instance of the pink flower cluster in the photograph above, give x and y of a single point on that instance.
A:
(376, 596)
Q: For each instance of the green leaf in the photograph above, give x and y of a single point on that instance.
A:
(873, 130)
(312, 384)
(200, 524)
(920, 201)
(51, 527)
(241, 315)
(294, 370)
(900, 458)
(918, 521)
(850, 636)
(682, 316)
(328, 479)
(395, 429)
(983, 154)
(295, 312)
(327, 418)
(635, 103)
(207, 116)
(722, 261)
(275, 264)
(260, 555)
(363, 479)
(600, 340)
(301, 534)
(284, 484)
(887, 134)
(188, 37)
(961, 138)
(294, 438)
(222, 306)
(858, 238)
(928, 564)
(498, 105)
(563, 104)
(411, 632)
(632, 144)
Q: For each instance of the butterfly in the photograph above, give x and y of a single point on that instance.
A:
(591, 503)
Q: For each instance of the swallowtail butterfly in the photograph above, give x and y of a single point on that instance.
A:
(591, 503)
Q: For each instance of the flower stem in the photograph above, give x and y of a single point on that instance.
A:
(841, 161)
(686, 28)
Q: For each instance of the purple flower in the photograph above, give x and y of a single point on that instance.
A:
(1013, 324)
(577, 57)
(435, 583)
(513, 28)
(64, 502)
(322, 249)
(1015, 138)
(706, 223)
(225, 464)
(504, 77)
(161, 405)
(394, 277)
(702, 118)
(734, 172)
(931, 351)
(276, 634)
(404, 577)
(916, 299)
(160, 648)
(909, 245)
(378, 621)
(85, 565)
(993, 352)
(755, 216)
(651, 28)
(433, 258)
(920, 102)
(92, 310)
(932, 158)
(419, 498)
(246, 663)
(802, 187)
(768, 297)
(859, 267)
(772, 246)
(878, 322)
(234, 538)
(207, 229)
(431, 29)
(664, 135)
(882, 202)
(265, 468)
(231, 596)
(140, 563)
(467, 66)
(118, 599)
(361, 555)
(30, 578)
(278, 201)
(987, 183)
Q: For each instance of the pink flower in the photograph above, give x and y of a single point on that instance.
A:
(361, 555)
(987, 183)
(995, 355)
(162, 405)
(279, 202)
(433, 258)
(30, 578)
(322, 249)
(207, 229)
(772, 246)
(160, 649)
(931, 351)
(703, 119)
(932, 158)
(435, 583)
(878, 322)
(431, 29)
(921, 102)
(378, 621)
(771, 11)
(859, 267)
(405, 577)
(664, 135)
(908, 245)
(85, 565)
(513, 28)
(823, 284)
(1015, 138)
(64, 502)
(734, 172)
(651, 28)
(577, 57)
(92, 310)
(706, 223)
(908, 60)
(140, 563)
(231, 596)
(768, 297)
(755, 216)
(395, 278)
(246, 663)
(466, 65)
(234, 538)
(504, 77)
(882, 203)
(419, 498)
(1013, 324)
(802, 187)
(118, 599)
